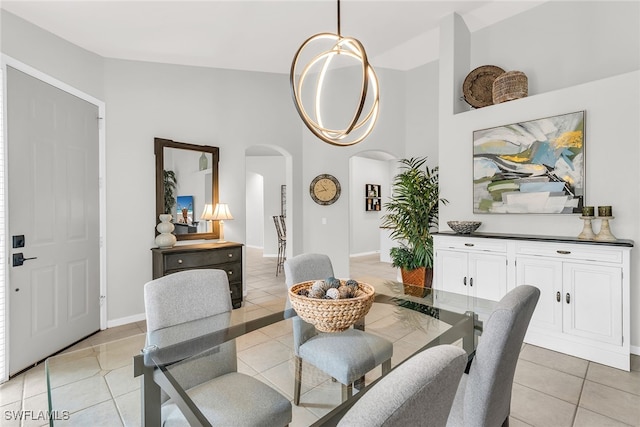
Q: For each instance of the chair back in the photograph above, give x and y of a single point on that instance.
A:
(487, 397)
(185, 296)
(420, 391)
(302, 268)
(188, 296)
(281, 230)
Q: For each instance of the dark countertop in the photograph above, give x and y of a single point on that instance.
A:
(559, 239)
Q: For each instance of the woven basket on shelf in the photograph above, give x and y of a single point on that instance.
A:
(331, 315)
(510, 85)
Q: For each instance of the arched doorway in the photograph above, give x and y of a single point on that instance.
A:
(370, 174)
(268, 187)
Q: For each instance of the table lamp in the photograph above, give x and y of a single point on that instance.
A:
(207, 215)
(220, 213)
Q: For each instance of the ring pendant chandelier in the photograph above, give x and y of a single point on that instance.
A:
(361, 123)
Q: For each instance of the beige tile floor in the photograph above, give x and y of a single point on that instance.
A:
(98, 388)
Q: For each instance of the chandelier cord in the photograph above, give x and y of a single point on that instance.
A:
(339, 35)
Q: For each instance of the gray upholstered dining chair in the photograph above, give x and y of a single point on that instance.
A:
(223, 395)
(419, 392)
(483, 398)
(346, 356)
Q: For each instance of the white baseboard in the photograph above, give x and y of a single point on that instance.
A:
(254, 247)
(125, 320)
(363, 254)
(635, 350)
(269, 255)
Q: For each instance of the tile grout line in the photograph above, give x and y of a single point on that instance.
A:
(584, 380)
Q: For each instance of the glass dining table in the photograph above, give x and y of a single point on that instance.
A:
(413, 318)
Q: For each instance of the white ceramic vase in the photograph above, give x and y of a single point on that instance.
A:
(165, 239)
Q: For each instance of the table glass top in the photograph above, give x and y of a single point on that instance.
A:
(412, 318)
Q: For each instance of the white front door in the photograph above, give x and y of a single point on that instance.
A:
(54, 298)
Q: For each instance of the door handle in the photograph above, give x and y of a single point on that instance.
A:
(19, 259)
(471, 281)
(568, 298)
(464, 281)
(558, 296)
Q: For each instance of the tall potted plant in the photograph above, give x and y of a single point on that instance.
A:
(411, 215)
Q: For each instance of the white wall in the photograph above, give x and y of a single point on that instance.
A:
(559, 45)
(332, 238)
(255, 212)
(422, 115)
(563, 43)
(228, 109)
(612, 133)
(50, 54)
(364, 227)
(273, 171)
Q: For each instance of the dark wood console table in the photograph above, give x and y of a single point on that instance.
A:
(223, 256)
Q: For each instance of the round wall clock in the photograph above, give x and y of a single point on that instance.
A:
(324, 189)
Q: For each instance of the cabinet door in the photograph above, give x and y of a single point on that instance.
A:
(451, 272)
(594, 307)
(487, 276)
(546, 275)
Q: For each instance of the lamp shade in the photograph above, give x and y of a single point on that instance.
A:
(221, 212)
(207, 214)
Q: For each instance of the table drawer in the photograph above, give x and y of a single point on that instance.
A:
(234, 271)
(193, 259)
(470, 244)
(571, 252)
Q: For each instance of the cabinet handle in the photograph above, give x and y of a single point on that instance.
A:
(229, 273)
(568, 298)
(179, 261)
(558, 296)
(469, 244)
(464, 281)
(564, 252)
(471, 281)
(230, 255)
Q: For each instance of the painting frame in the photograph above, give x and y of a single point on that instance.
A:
(531, 167)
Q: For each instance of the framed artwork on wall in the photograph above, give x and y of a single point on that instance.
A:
(373, 202)
(530, 167)
(185, 209)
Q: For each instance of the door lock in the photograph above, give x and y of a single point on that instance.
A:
(17, 241)
(19, 259)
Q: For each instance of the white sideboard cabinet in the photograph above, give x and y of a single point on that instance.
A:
(584, 287)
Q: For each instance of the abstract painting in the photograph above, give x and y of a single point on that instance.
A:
(530, 167)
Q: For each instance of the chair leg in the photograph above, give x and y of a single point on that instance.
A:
(347, 392)
(359, 383)
(297, 381)
(386, 367)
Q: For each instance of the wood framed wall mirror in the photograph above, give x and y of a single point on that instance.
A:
(189, 173)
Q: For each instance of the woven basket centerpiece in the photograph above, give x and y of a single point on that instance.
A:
(509, 86)
(328, 314)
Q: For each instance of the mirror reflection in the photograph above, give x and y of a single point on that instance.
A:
(186, 183)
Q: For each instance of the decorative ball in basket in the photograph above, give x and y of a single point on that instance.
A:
(331, 305)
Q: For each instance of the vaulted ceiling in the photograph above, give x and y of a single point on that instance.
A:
(254, 35)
